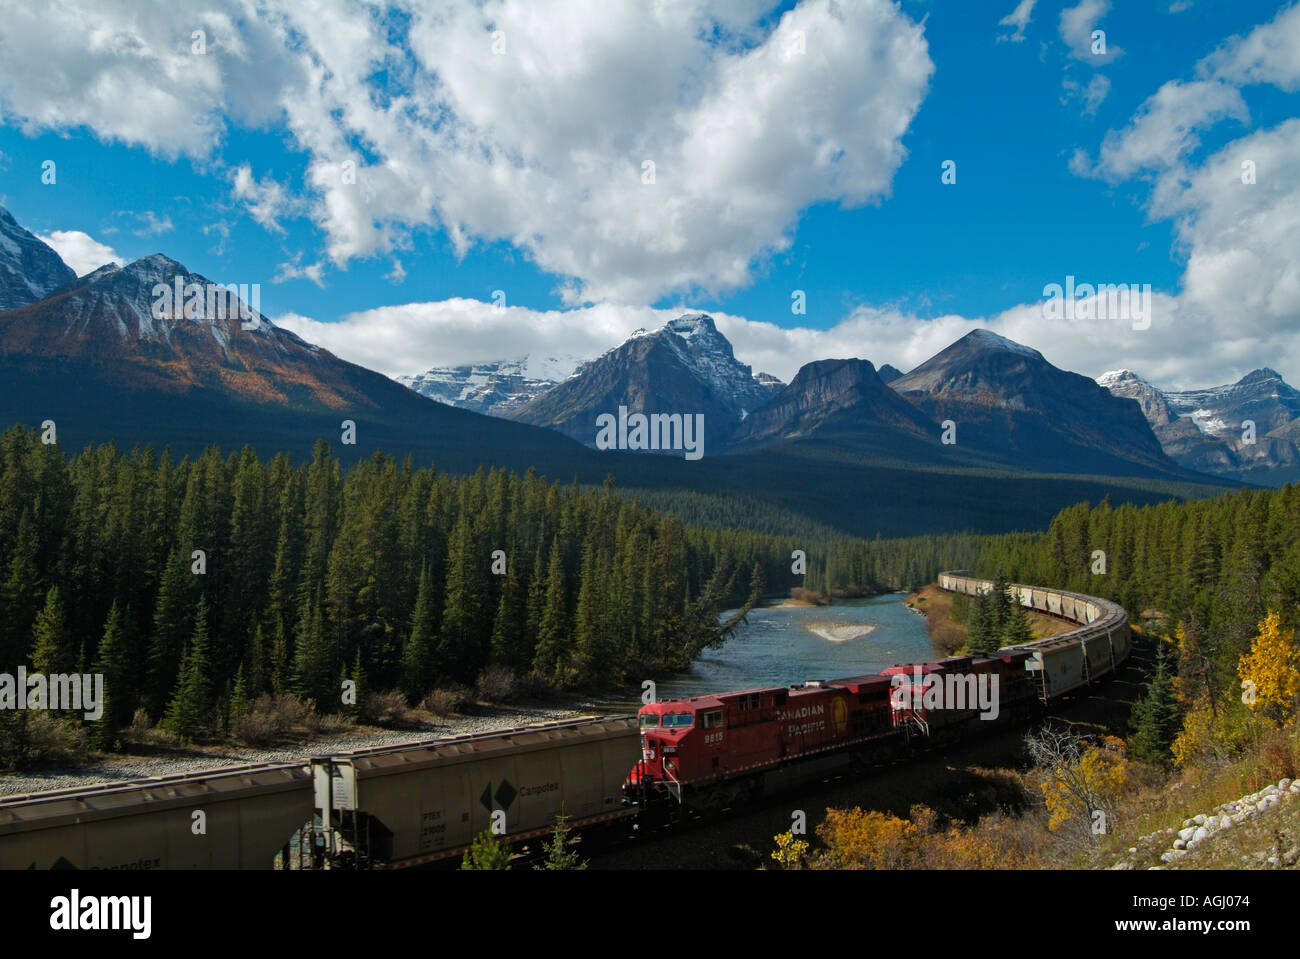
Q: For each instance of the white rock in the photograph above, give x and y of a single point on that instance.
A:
(1186, 834)
(1180, 843)
(1199, 819)
(1197, 836)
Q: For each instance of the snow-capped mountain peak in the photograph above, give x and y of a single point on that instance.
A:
(29, 269)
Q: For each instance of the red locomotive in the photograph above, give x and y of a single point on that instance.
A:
(710, 752)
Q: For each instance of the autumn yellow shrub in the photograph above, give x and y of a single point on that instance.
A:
(1270, 672)
(866, 840)
(1092, 784)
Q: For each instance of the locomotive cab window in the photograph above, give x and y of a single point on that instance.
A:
(713, 720)
(649, 719)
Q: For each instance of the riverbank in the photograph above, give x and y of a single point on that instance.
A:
(949, 635)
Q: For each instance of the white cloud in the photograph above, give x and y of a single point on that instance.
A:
(1019, 18)
(1240, 299)
(542, 146)
(1164, 130)
(414, 337)
(295, 271)
(151, 224)
(1183, 348)
(1270, 53)
(397, 274)
(266, 200)
(127, 70)
(80, 251)
(1077, 26)
(1092, 95)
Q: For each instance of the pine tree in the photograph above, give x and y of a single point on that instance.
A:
(239, 697)
(19, 594)
(591, 644)
(172, 623)
(112, 665)
(559, 855)
(189, 714)
(981, 636)
(1156, 717)
(53, 650)
(1016, 630)
(355, 711)
(418, 659)
(553, 631)
(315, 671)
(465, 634)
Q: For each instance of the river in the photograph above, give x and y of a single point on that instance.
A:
(784, 645)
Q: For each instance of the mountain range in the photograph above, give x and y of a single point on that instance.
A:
(497, 388)
(837, 450)
(103, 358)
(1248, 430)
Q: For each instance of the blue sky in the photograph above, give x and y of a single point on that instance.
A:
(883, 251)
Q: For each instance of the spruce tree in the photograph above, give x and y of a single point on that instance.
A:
(189, 714)
(559, 855)
(53, 650)
(1016, 630)
(111, 663)
(553, 632)
(418, 659)
(19, 594)
(1156, 718)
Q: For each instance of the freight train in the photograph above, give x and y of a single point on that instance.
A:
(423, 802)
(706, 753)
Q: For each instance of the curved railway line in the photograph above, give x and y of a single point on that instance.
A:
(423, 802)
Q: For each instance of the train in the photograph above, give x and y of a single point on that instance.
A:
(423, 802)
(706, 753)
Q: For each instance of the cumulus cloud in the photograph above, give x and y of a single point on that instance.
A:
(1270, 53)
(266, 200)
(1077, 25)
(1164, 131)
(1172, 352)
(129, 71)
(80, 251)
(1019, 18)
(1235, 212)
(498, 124)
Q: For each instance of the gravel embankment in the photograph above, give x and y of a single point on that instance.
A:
(160, 761)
